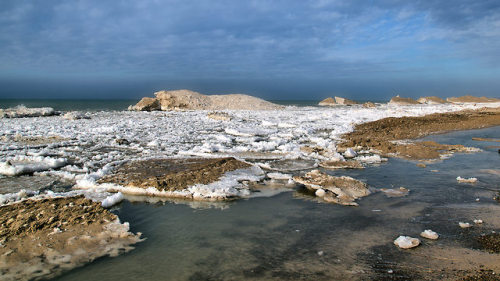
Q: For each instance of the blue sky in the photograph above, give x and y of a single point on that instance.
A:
(305, 49)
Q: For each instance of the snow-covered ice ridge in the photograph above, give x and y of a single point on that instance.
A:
(87, 145)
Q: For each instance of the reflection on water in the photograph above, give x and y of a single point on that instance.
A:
(286, 237)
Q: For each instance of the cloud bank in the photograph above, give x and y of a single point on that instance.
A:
(324, 42)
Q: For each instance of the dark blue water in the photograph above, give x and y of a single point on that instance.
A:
(70, 105)
(100, 105)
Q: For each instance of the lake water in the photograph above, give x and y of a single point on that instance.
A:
(290, 236)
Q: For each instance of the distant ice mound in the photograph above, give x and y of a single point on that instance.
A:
(189, 100)
(431, 100)
(337, 101)
(397, 100)
(467, 99)
(21, 111)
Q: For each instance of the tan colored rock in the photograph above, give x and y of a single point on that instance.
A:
(146, 104)
(340, 190)
(397, 100)
(471, 99)
(327, 102)
(344, 101)
(431, 100)
(369, 105)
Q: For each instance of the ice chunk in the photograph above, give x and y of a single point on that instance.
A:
(406, 242)
(466, 180)
(429, 234)
(36, 164)
(112, 200)
(320, 192)
(350, 153)
(464, 224)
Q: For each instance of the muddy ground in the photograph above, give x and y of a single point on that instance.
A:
(385, 135)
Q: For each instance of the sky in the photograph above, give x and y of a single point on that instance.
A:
(302, 50)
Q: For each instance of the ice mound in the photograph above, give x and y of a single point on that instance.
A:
(189, 100)
(23, 111)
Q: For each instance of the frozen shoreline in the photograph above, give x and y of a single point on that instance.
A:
(90, 146)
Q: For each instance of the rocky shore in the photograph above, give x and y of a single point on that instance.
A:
(393, 136)
(42, 238)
